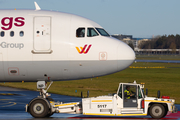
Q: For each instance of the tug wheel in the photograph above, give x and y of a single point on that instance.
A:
(157, 111)
(39, 109)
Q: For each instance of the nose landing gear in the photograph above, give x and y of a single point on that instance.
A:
(40, 107)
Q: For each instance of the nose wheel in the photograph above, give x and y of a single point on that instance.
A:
(39, 109)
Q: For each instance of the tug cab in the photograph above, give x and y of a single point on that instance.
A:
(134, 101)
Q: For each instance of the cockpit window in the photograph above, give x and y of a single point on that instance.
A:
(80, 32)
(102, 32)
(91, 32)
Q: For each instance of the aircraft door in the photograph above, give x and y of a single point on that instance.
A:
(42, 35)
(130, 96)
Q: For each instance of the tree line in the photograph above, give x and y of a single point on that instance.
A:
(162, 42)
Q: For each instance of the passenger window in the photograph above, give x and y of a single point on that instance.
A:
(2, 33)
(21, 33)
(91, 32)
(80, 32)
(12, 33)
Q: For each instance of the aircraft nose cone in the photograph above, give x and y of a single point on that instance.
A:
(126, 56)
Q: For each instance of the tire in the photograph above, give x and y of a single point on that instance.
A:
(39, 109)
(49, 113)
(166, 111)
(157, 111)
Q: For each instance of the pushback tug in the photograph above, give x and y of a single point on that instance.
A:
(138, 104)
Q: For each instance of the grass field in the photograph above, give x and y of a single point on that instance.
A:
(156, 76)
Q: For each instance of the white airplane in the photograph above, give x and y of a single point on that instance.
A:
(37, 45)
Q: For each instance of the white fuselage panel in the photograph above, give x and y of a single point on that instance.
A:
(42, 45)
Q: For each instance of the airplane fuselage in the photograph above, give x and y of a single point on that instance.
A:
(48, 45)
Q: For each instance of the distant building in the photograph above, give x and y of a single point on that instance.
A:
(139, 42)
(129, 39)
(121, 37)
(136, 42)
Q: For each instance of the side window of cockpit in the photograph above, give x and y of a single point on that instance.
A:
(102, 32)
(80, 32)
(91, 32)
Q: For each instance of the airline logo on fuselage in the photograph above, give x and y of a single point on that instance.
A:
(83, 49)
(8, 22)
(11, 45)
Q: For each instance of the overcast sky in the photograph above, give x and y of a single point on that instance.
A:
(140, 18)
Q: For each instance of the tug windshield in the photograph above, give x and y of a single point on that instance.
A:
(102, 32)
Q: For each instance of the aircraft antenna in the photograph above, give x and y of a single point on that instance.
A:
(37, 6)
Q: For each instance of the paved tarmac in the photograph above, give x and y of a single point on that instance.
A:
(13, 101)
(3, 88)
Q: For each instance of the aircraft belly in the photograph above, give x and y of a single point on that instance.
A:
(123, 64)
(59, 70)
(90, 69)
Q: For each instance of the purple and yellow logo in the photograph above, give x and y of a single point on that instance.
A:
(83, 49)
